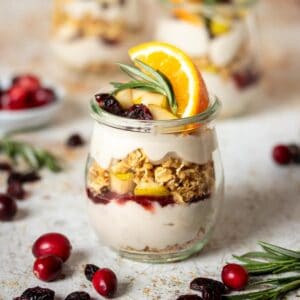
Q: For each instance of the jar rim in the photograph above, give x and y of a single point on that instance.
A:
(109, 119)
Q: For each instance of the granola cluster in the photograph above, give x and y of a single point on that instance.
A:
(186, 182)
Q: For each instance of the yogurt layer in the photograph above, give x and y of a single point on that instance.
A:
(131, 226)
(109, 143)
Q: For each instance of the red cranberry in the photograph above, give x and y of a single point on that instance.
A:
(139, 112)
(48, 267)
(8, 208)
(16, 98)
(52, 244)
(105, 282)
(28, 82)
(282, 155)
(235, 276)
(43, 96)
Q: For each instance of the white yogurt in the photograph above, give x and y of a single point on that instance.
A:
(130, 225)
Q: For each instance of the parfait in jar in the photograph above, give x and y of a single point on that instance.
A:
(222, 39)
(90, 34)
(154, 177)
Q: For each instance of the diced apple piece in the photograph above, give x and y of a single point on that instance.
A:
(146, 98)
(150, 189)
(160, 113)
(121, 183)
(125, 98)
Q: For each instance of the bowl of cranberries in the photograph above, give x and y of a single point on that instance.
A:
(27, 101)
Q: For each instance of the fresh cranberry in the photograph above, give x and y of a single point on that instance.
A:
(189, 297)
(245, 79)
(16, 98)
(37, 293)
(43, 96)
(28, 82)
(15, 189)
(109, 103)
(139, 112)
(48, 267)
(282, 154)
(52, 244)
(8, 208)
(105, 282)
(78, 296)
(90, 270)
(75, 140)
(235, 276)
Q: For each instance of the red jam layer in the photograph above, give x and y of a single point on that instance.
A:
(145, 201)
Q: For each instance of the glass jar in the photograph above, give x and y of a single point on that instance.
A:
(154, 187)
(222, 40)
(90, 34)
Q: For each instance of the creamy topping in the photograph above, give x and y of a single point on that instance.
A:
(109, 143)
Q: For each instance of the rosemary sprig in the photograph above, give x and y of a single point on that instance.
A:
(146, 78)
(35, 158)
(272, 260)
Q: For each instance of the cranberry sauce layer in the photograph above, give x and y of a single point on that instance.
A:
(145, 201)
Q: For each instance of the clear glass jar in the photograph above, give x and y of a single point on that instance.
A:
(154, 187)
(223, 41)
(90, 34)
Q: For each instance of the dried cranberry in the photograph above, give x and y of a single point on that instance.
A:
(28, 82)
(4, 166)
(105, 282)
(139, 112)
(282, 154)
(189, 297)
(37, 293)
(48, 267)
(8, 208)
(90, 270)
(23, 177)
(78, 296)
(110, 41)
(75, 140)
(211, 289)
(245, 79)
(42, 96)
(109, 103)
(15, 189)
(295, 153)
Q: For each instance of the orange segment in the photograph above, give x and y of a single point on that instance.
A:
(189, 88)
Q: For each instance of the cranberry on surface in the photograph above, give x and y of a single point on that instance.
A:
(75, 140)
(16, 98)
(282, 155)
(235, 276)
(52, 244)
(37, 293)
(15, 189)
(295, 153)
(139, 112)
(90, 270)
(78, 296)
(5, 166)
(105, 282)
(245, 79)
(28, 82)
(42, 96)
(48, 267)
(189, 297)
(8, 208)
(109, 103)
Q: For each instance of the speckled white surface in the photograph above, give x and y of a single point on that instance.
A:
(262, 200)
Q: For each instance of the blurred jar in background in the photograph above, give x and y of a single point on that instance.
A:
(221, 37)
(90, 34)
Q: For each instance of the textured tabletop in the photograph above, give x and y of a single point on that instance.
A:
(262, 200)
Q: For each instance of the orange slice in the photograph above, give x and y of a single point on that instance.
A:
(189, 88)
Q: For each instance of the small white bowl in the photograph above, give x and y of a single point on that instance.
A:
(14, 120)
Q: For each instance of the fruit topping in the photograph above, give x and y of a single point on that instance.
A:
(48, 267)
(78, 296)
(90, 270)
(121, 183)
(235, 276)
(109, 103)
(189, 297)
(160, 113)
(8, 208)
(75, 140)
(52, 244)
(105, 282)
(146, 98)
(282, 154)
(151, 189)
(37, 293)
(139, 112)
(125, 98)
